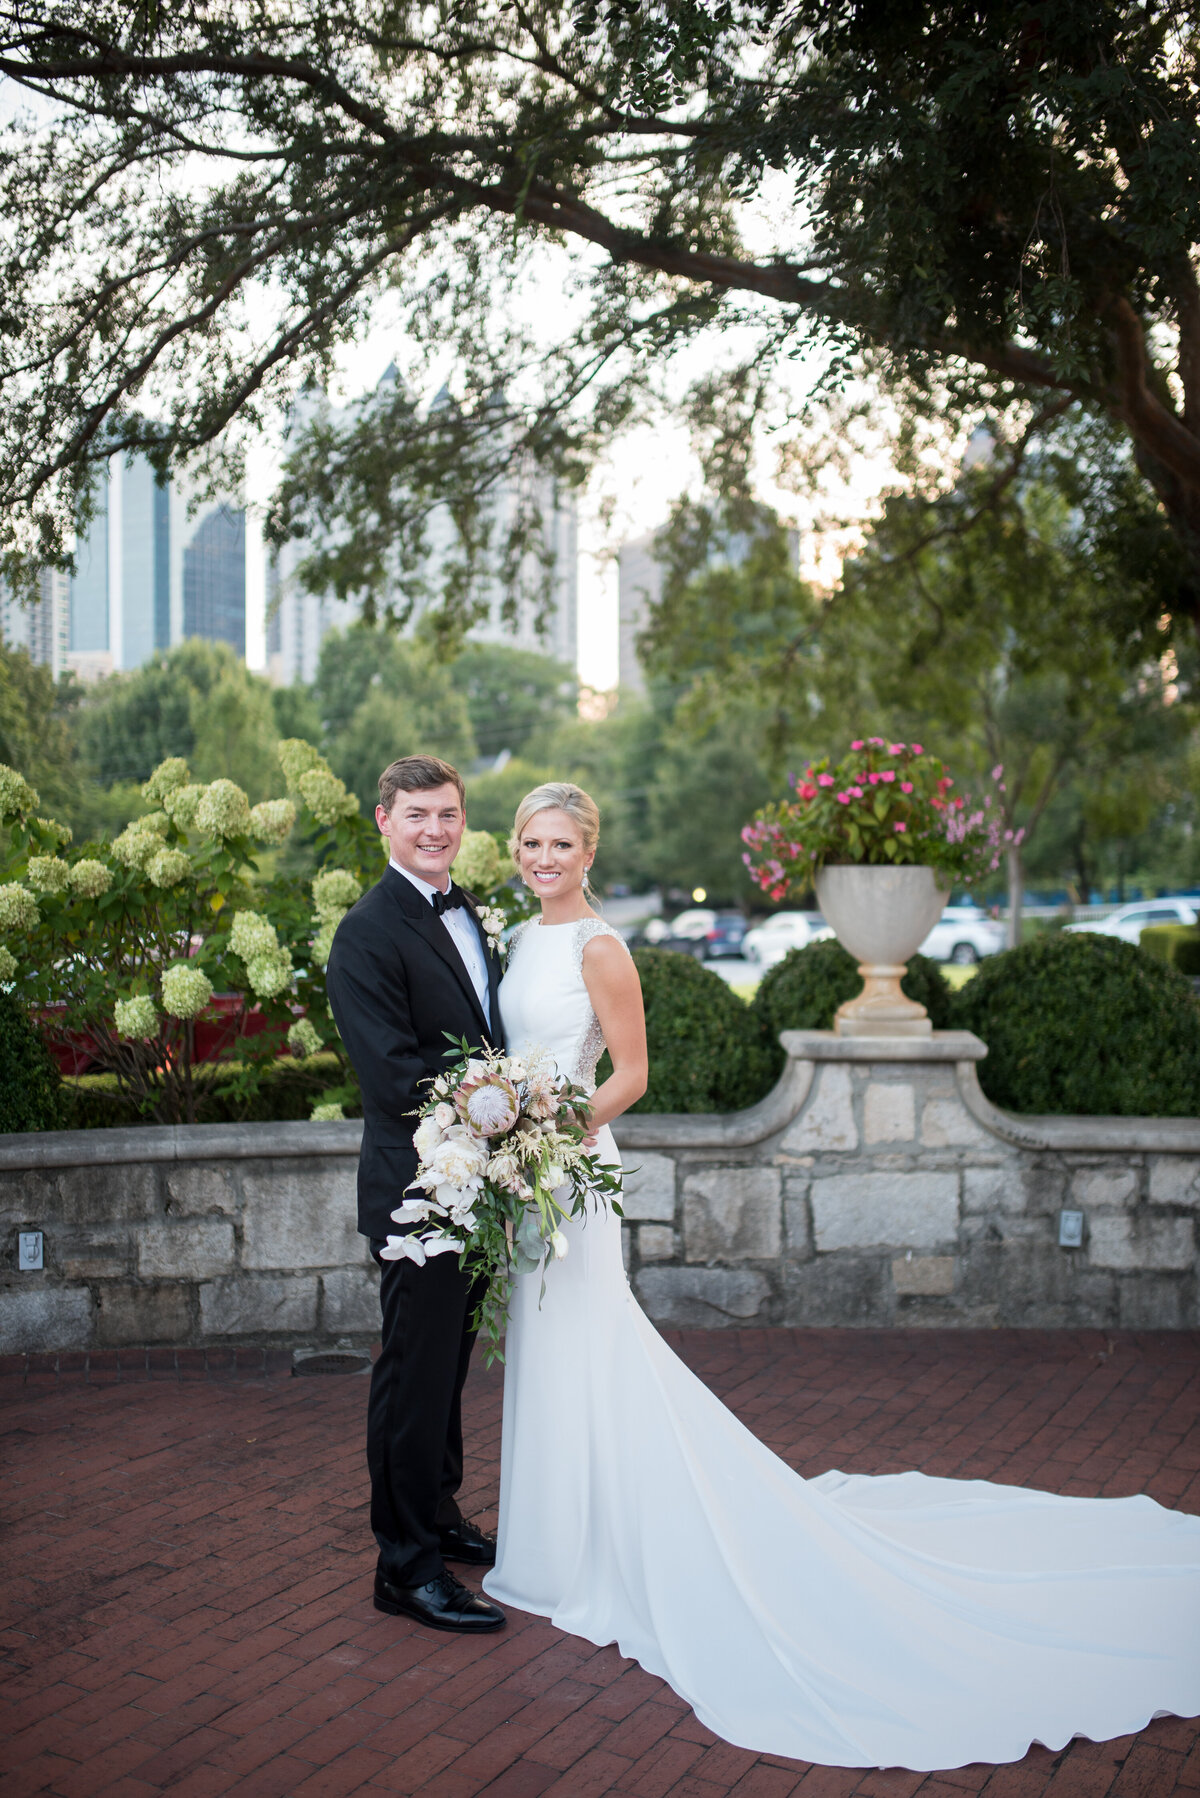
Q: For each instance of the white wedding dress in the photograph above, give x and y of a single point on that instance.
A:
(854, 1621)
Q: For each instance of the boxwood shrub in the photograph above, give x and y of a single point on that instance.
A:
(1085, 1024)
(1177, 944)
(803, 991)
(707, 1051)
(29, 1078)
(289, 1089)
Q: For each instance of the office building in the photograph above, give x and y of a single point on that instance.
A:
(43, 629)
(299, 621)
(639, 588)
(152, 569)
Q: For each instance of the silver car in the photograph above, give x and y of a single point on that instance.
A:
(964, 935)
(1129, 921)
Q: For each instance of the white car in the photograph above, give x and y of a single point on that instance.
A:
(770, 942)
(694, 925)
(964, 935)
(1129, 921)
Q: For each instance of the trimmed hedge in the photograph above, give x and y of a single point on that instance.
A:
(289, 1089)
(1086, 1025)
(29, 1079)
(804, 990)
(707, 1051)
(1176, 944)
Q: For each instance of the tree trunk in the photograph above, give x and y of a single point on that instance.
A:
(1016, 893)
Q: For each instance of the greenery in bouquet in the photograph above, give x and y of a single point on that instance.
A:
(502, 1162)
(150, 954)
(885, 804)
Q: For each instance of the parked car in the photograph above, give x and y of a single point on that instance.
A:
(964, 935)
(724, 936)
(691, 925)
(770, 942)
(1129, 921)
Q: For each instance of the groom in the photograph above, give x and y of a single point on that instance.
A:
(411, 962)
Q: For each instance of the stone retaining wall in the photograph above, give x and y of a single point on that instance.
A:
(874, 1185)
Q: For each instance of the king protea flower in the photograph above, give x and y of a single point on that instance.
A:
(488, 1103)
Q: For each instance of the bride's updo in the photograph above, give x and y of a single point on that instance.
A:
(561, 796)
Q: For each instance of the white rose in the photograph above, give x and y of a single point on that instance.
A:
(457, 1162)
(428, 1135)
(443, 1116)
(553, 1176)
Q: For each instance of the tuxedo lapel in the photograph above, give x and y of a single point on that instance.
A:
(420, 915)
(491, 961)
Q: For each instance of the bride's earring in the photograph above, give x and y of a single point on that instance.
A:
(586, 883)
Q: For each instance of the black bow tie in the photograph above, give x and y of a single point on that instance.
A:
(447, 901)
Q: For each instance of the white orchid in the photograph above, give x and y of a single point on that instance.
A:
(403, 1248)
(559, 1245)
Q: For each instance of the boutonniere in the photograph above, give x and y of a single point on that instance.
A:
(494, 925)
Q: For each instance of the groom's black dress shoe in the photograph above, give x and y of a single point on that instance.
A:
(463, 1541)
(443, 1603)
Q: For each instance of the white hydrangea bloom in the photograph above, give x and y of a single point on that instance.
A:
(167, 778)
(47, 874)
(140, 840)
(181, 802)
(322, 943)
(327, 1114)
(297, 758)
(18, 908)
(168, 867)
(16, 794)
(62, 832)
(136, 1018)
(251, 935)
(90, 878)
(224, 810)
(270, 972)
(480, 863)
(271, 820)
(326, 796)
(8, 965)
(334, 892)
(303, 1038)
(186, 990)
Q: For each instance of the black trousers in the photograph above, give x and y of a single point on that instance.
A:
(414, 1413)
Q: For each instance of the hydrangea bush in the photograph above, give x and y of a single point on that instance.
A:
(123, 947)
(883, 804)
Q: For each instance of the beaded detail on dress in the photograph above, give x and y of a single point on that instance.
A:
(593, 1045)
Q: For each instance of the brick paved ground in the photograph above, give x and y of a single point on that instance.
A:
(187, 1574)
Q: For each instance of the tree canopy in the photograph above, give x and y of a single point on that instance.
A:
(1000, 202)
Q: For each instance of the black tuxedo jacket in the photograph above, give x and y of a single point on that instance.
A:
(396, 985)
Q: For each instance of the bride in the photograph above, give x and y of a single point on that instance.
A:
(892, 1621)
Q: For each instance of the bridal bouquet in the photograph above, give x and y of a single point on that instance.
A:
(501, 1164)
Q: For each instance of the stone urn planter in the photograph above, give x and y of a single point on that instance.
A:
(882, 915)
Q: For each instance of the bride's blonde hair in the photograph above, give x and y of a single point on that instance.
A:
(562, 796)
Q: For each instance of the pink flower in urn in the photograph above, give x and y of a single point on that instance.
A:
(875, 742)
(873, 780)
(900, 828)
(825, 780)
(806, 790)
(843, 798)
(917, 750)
(906, 786)
(895, 749)
(888, 774)
(857, 744)
(856, 792)
(997, 771)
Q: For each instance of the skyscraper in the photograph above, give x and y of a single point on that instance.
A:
(298, 621)
(214, 579)
(149, 572)
(44, 628)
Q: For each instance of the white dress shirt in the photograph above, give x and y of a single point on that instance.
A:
(462, 928)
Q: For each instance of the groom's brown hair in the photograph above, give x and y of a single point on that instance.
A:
(418, 774)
